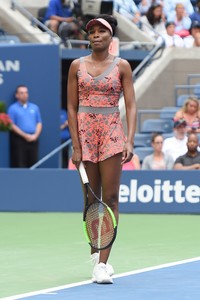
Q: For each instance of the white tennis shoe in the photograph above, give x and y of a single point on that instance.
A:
(100, 274)
(95, 261)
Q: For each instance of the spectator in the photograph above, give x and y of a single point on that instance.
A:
(59, 18)
(65, 136)
(157, 160)
(190, 112)
(128, 9)
(144, 5)
(195, 16)
(191, 160)
(153, 22)
(26, 129)
(169, 6)
(176, 145)
(133, 164)
(181, 19)
(193, 40)
(171, 39)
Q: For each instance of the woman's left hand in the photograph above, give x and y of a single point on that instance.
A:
(127, 152)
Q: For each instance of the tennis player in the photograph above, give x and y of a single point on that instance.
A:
(95, 83)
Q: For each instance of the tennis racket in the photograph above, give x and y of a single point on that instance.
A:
(99, 223)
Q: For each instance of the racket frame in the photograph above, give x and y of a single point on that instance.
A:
(85, 181)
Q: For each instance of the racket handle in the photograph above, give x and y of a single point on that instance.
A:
(83, 173)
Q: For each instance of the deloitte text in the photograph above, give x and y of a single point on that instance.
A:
(160, 191)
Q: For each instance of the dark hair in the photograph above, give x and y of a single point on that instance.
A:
(195, 24)
(150, 14)
(154, 136)
(169, 23)
(110, 19)
(20, 86)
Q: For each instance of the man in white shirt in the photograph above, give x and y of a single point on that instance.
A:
(176, 145)
(171, 39)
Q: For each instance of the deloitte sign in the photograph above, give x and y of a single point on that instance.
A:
(162, 192)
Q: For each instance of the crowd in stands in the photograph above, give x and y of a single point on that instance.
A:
(181, 151)
(176, 22)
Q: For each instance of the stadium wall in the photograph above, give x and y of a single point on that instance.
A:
(38, 67)
(59, 190)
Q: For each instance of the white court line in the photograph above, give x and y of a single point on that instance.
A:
(67, 286)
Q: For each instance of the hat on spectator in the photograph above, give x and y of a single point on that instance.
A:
(180, 122)
(195, 24)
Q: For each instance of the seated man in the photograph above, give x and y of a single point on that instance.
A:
(176, 145)
(190, 160)
(171, 39)
(128, 9)
(59, 18)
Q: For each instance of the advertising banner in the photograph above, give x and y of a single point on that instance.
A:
(59, 190)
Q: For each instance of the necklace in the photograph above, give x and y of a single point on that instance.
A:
(96, 65)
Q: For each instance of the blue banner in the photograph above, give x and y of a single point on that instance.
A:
(59, 190)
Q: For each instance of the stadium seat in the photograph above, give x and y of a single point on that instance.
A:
(167, 135)
(142, 140)
(197, 90)
(142, 152)
(157, 125)
(41, 13)
(181, 99)
(9, 39)
(168, 112)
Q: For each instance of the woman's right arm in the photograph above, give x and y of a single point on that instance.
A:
(72, 108)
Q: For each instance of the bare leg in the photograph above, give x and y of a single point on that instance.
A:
(95, 182)
(107, 175)
(53, 25)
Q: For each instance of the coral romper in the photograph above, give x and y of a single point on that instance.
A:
(100, 128)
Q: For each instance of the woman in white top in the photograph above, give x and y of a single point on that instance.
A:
(157, 160)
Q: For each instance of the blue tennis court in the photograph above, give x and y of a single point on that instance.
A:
(174, 281)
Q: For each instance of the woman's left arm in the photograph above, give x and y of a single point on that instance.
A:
(130, 104)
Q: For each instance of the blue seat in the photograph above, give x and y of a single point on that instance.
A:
(157, 125)
(142, 140)
(9, 39)
(168, 112)
(181, 99)
(197, 90)
(142, 152)
(167, 135)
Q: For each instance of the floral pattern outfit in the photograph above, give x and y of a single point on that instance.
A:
(101, 134)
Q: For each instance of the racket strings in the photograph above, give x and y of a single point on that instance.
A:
(99, 224)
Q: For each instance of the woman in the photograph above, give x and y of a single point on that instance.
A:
(190, 112)
(157, 160)
(153, 23)
(95, 83)
(181, 19)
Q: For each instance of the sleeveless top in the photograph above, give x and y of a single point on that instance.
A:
(100, 91)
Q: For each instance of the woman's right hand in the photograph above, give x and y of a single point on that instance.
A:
(77, 157)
